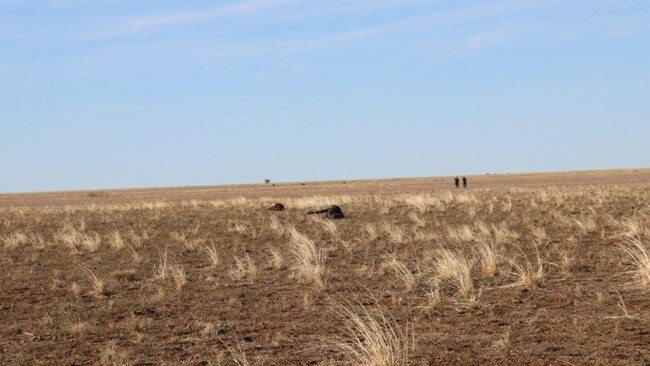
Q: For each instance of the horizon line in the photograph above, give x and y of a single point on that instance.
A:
(323, 181)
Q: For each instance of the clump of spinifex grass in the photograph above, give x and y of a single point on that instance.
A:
(394, 233)
(76, 239)
(116, 241)
(586, 224)
(212, 254)
(162, 270)
(277, 260)
(528, 275)
(373, 338)
(276, 226)
(98, 288)
(633, 228)
(238, 354)
(460, 234)
(309, 262)
(639, 254)
(403, 273)
(489, 256)
(454, 268)
(178, 274)
(14, 240)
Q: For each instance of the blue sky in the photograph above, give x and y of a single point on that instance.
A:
(136, 93)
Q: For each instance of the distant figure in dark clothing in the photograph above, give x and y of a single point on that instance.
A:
(457, 182)
(332, 212)
(464, 182)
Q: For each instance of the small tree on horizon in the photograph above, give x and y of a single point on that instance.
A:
(267, 181)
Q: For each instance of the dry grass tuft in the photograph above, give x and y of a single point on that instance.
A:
(567, 259)
(308, 260)
(116, 242)
(528, 275)
(633, 228)
(462, 233)
(134, 255)
(79, 328)
(587, 224)
(404, 274)
(394, 233)
(371, 231)
(76, 239)
(417, 220)
(98, 288)
(433, 296)
(238, 354)
(538, 233)
(452, 267)
(14, 240)
(639, 254)
(162, 270)
(111, 356)
(208, 329)
(91, 242)
(503, 234)
(75, 288)
(503, 343)
(276, 226)
(212, 254)
(277, 260)
(488, 253)
(374, 339)
(178, 274)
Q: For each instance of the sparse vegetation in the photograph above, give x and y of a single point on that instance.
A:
(98, 288)
(438, 276)
(212, 254)
(639, 256)
(528, 273)
(244, 269)
(309, 262)
(373, 338)
(454, 268)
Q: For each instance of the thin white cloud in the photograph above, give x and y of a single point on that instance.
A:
(481, 39)
(428, 20)
(150, 22)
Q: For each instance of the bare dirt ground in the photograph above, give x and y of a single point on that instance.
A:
(518, 269)
(627, 177)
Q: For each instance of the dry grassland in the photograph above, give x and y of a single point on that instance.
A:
(536, 275)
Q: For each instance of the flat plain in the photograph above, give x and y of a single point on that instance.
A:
(548, 268)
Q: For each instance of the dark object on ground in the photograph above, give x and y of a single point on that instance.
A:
(276, 207)
(457, 182)
(464, 182)
(332, 212)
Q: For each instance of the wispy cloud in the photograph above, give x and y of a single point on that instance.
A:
(481, 39)
(150, 22)
(432, 20)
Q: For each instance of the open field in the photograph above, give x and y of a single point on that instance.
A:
(519, 269)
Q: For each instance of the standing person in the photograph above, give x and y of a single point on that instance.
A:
(457, 182)
(464, 182)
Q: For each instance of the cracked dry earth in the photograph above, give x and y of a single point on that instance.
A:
(221, 281)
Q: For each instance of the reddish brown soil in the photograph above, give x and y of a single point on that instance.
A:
(572, 317)
(627, 177)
